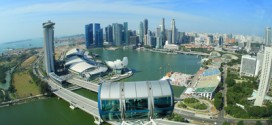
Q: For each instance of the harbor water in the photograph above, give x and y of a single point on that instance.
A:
(53, 111)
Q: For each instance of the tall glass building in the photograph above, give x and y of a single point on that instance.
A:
(98, 33)
(89, 35)
(141, 32)
(126, 34)
(117, 34)
(109, 33)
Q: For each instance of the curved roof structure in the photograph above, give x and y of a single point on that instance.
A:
(118, 64)
(81, 67)
(135, 100)
(73, 60)
(74, 51)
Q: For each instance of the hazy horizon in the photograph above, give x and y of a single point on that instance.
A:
(23, 20)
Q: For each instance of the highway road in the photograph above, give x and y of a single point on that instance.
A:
(87, 85)
(74, 99)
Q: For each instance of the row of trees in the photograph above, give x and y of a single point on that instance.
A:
(3, 70)
(176, 117)
(218, 101)
(44, 87)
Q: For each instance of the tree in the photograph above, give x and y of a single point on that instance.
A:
(230, 81)
(226, 123)
(240, 123)
(218, 101)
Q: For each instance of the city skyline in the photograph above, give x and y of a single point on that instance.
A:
(237, 17)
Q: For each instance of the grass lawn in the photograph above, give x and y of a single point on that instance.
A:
(24, 85)
(28, 61)
(178, 90)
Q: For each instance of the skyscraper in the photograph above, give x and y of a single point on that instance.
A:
(209, 40)
(49, 57)
(267, 37)
(174, 34)
(98, 33)
(158, 38)
(117, 34)
(163, 32)
(220, 41)
(141, 33)
(145, 26)
(89, 35)
(126, 34)
(146, 39)
(109, 33)
(265, 79)
(169, 36)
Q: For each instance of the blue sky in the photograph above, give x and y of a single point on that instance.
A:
(20, 19)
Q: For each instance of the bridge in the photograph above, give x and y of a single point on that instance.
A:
(76, 101)
(82, 83)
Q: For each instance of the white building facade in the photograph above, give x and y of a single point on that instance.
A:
(265, 78)
(249, 66)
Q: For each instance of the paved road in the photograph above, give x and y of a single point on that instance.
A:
(87, 85)
(74, 99)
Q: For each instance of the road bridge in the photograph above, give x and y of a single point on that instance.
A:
(87, 85)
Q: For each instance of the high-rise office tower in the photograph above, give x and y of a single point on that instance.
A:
(141, 33)
(163, 32)
(145, 26)
(89, 35)
(267, 37)
(169, 36)
(98, 33)
(220, 41)
(265, 79)
(174, 34)
(158, 38)
(126, 33)
(148, 38)
(109, 37)
(49, 57)
(117, 34)
(99, 41)
(146, 32)
(209, 40)
(248, 46)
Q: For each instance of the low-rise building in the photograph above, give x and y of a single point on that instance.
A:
(207, 83)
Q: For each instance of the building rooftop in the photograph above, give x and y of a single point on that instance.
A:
(74, 51)
(211, 71)
(81, 66)
(137, 89)
(72, 60)
(206, 89)
(48, 24)
(208, 81)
